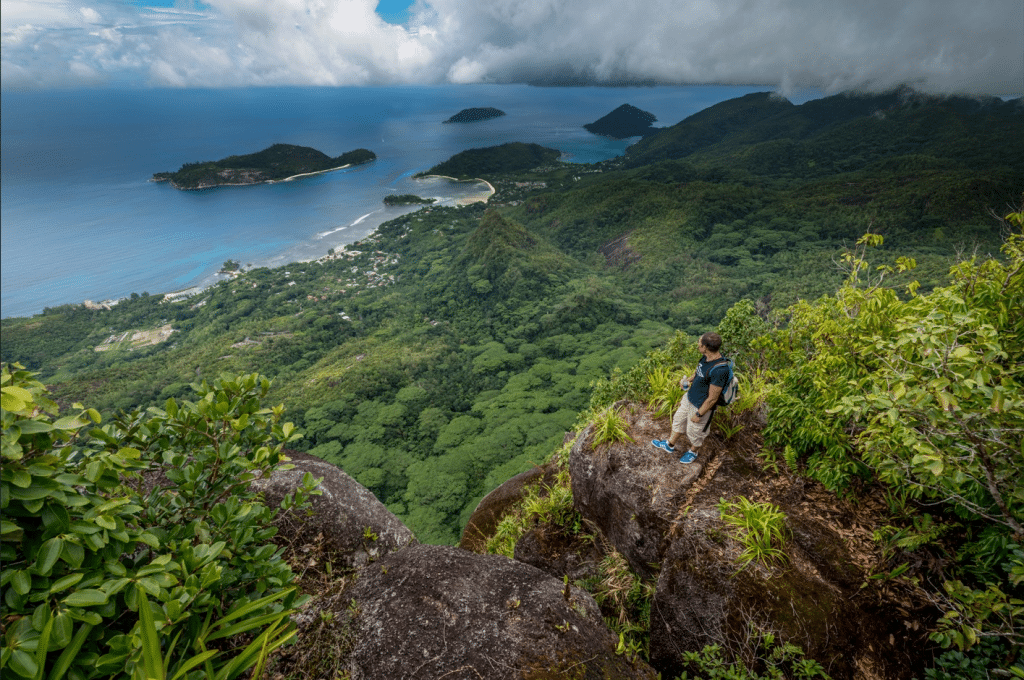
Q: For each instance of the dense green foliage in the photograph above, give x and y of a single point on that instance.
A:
(509, 157)
(924, 397)
(90, 548)
(765, 135)
(475, 114)
(625, 121)
(407, 199)
(276, 162)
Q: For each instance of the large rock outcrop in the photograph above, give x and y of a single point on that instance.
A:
(346, 522)
(432, 611)
(811, 598)
(664, 518)
(630, 490)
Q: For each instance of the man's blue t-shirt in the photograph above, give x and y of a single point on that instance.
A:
(708, 373)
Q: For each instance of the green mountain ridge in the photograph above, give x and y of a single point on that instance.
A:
(863, 128)
(504, 158)
(625, 121)
(276, 162)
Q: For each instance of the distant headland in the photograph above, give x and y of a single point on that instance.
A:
(625, 121)
(277, 163)
(407, 199)
(475, 114)
(509, 157)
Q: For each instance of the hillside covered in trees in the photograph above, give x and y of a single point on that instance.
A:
(455, 347)
(274, 163)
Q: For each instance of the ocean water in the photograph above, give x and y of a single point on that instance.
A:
(81, 220)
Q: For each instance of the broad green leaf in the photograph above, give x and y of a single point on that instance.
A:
(962, 352)
(21, 479)
(130, 453)
(11, 403)
(21, 582)
(148, 585)
(34, 492)
(34, 426)
(49, 553)
(148, 539)
(66, 582)
(88, 597)
(90, 617)
(22, 662)
(150, 569)
(73, 554)
(56, 518)
(114, 587)
(60, 635)
(69, 423)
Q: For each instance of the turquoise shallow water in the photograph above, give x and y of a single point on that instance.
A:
(81, 220)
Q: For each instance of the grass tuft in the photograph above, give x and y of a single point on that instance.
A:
(760, 527)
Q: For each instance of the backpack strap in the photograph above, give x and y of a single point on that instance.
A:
(718, 362)
(710, 418)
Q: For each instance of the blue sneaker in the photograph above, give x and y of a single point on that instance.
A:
(688, 457)
(663, 445)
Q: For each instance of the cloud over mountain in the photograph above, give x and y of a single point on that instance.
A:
(935, 45)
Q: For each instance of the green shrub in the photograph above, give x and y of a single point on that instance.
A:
(760, 527)
(923, 395)
(610, 427)
(773, 660)
(85, 546)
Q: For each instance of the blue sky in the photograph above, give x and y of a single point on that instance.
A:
(832, 45)
(394, 11)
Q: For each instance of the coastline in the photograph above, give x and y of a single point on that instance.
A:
(250, 184)
(181, 294)
(466, 201)
(307, 174)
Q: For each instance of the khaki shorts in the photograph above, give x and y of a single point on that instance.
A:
(681, 423)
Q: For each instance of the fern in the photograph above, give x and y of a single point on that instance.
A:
(665, 391)
(610, 427)
(760, 527)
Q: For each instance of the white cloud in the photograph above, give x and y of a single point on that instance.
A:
(90, 16)
(936, 45)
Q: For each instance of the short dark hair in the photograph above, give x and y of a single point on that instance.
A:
(713, 341)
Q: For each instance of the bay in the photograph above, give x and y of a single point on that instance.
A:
(81, 220)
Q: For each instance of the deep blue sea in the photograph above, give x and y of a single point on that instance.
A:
(81, 220)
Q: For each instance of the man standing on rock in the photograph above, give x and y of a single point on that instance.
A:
(693, 417)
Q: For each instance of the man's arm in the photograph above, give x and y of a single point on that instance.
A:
(713, 392)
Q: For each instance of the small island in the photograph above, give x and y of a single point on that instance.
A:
(510, 157)
(280, 162)
(475, 114)
(407, 199)
(625, 121)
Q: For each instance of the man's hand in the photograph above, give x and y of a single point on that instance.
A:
(695, 418)
(685, 383)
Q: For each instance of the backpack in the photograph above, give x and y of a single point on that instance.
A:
(732, 388)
